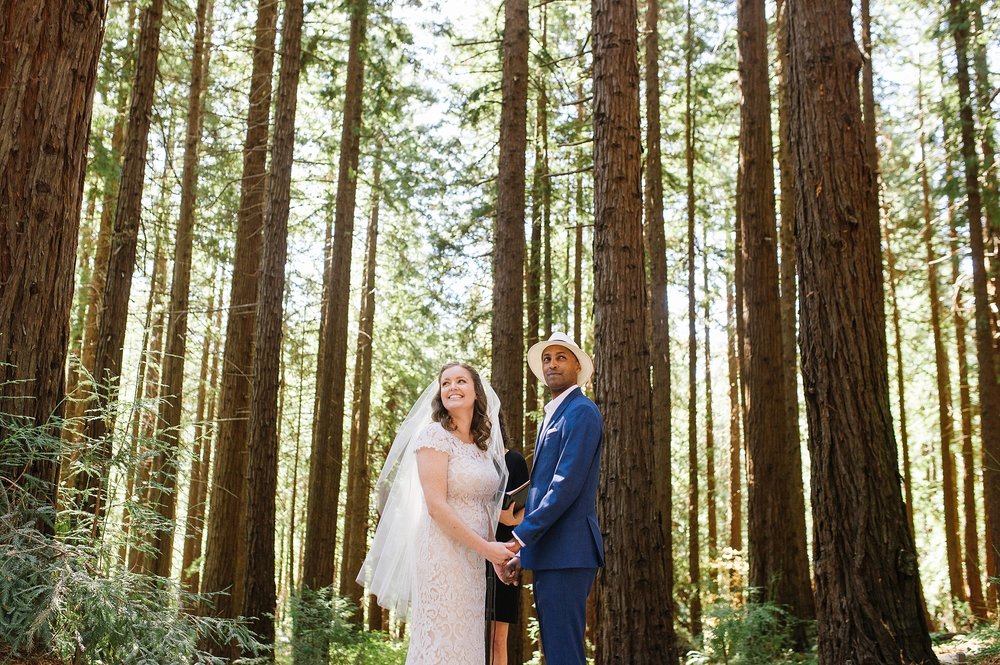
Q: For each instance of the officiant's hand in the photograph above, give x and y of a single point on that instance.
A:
(509, 517)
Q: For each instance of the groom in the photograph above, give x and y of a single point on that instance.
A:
(559, 538)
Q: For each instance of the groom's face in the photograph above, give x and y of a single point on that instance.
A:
(560, 368)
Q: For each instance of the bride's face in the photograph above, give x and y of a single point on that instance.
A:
(458, 390)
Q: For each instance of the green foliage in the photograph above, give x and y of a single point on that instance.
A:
(746, 634)
(67, 594)
(323, 619)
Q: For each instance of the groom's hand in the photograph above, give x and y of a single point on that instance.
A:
(511, 573)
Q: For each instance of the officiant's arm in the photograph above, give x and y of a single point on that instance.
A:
(432, 466)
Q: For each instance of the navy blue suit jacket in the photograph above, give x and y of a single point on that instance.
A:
(560, 520)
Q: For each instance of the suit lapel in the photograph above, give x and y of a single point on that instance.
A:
(540, 439)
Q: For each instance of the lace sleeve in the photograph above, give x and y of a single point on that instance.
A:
(434, 437)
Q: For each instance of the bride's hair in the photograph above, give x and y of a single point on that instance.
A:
(480, 428)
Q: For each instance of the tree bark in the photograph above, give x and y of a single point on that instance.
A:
(786, 232)
(102, 253)
(713, 528)
(507, 366)
(694, 556)
(358, 476)
(735, 481)
(867, 583)
(48, 75)
(259, 592)
(194, 527)
(164, 501)
(632, 590)
(659, 319)
(946, 425)
(327, 456)
(147, 383)
(986, 352)
(990, 186)
(973, 567)
(124, 238)
(776, 531)
(224, 546)
(533, 284)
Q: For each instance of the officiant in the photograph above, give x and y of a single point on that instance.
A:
(503, 601)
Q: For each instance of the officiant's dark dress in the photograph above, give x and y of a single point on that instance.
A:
(505, 597)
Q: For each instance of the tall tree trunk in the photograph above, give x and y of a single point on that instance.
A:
(164, 501)
(986, 352)
(533, 284)
(990, 186)
(147, 384)
(78, 316)
(581, 214)
(632, 589)
(259, 592)
(694, 557)
(712, 524)
(904, 439)
(867, 583)
(292, 515)
(48, 75)
(358, 477)
(973, 568)
(776, 530)
(735, 485)
(109, 201)
(946, 425)
(786, 232)
(659, 319)
(124, 238)
(327, 456)
(508, 241)
(201, 457)
(225, 550)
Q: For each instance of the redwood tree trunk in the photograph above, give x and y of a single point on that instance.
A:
(712, 525)
(47, 80)
(109, 200)
(735, 485)
(164, 501)
(694, 555)
(786, 233)
(124, 238)
(358, 478)
(259, 592)
(973, 567)
(224, 546)
(986, 352)
(327, 456)
(946, 424)
(194, 527)
(867, 584)
(776, 530)
(632, 590)
(508, 244)
(659, 319)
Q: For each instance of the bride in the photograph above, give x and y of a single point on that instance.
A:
(439, 496)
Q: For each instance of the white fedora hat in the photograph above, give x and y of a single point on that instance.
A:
(564, 340)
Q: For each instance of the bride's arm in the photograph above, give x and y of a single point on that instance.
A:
(432, 465)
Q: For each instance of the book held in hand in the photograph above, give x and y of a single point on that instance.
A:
(517, 496)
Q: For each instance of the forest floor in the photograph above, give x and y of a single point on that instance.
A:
(980, 647)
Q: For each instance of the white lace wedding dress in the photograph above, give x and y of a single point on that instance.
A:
(448, 620)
